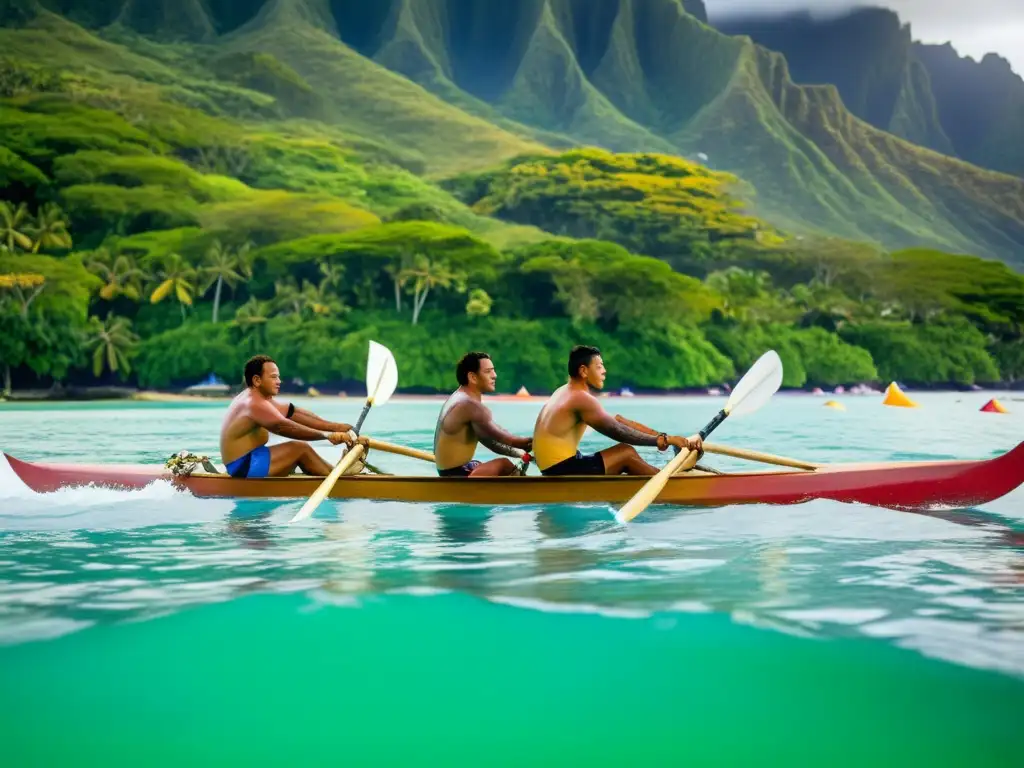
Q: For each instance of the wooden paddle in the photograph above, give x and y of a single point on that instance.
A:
(400, 450)
(754, 390)
(725, 450)
(764, 458)
(381, 380)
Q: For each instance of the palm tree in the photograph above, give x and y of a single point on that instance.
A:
(121, 275)
(319, 299)
(25, 288)
(222, 266)
(288, 298)
(332, 274)
(14, 227)
(51, 229)
(112, 343)
(178, 277)
(399, 271)
(251, 320)
(427, 274)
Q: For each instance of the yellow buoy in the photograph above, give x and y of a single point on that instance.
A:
(836, 405)
(522, 392)
(896, 397)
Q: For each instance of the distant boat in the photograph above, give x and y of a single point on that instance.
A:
(211, 385)
(626, 392)
(714, 392)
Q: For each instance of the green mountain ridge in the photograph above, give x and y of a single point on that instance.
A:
(633, 75)
(626, 75)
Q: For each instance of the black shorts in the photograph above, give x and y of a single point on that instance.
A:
(591, 464)
(461, 471)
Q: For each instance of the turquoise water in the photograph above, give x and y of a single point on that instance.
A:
(153, 627)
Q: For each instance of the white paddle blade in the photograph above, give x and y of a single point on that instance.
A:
(758, 385)
(381, 374)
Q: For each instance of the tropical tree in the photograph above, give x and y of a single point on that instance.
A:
(112, 344)
(399, 271)
(177, 277)
(50, 229)
(120, 274)
(332, 274)
(427, 274)
(223, 266)
(20, 290)
(320, 300)
(15, 227)
(17, 292)
(479, 304)
(290, 299)
(251, 321)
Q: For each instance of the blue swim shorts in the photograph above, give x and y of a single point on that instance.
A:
(256, 463)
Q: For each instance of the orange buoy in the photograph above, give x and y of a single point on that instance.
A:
(522, 392)
(896, 397)
(994, 406)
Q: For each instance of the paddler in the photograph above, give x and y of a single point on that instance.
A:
(572, 408)
(255, 412)
(465, 421)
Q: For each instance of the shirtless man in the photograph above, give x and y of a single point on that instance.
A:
(254, 413)
(572, 408)
(465, 420)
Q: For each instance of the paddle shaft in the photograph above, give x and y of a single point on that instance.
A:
(400, 450)
(350, 458)
(327, 485)
(765, 458)
(737, 453)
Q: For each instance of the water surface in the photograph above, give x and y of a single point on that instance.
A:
(154, 626)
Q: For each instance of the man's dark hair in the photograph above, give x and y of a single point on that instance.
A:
(254, 367)
(581, 355)
(470, 363)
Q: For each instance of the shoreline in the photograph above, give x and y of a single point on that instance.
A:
(40, 397)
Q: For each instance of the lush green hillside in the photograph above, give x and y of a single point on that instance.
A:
(662, 206)
(633, 76)
(169, 207)
(927, 94)
(624, 75)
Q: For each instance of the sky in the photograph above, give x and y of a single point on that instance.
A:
(974, 27)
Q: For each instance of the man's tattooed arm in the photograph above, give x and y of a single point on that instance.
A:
(497, 439)
(624, 434)
(601, 421)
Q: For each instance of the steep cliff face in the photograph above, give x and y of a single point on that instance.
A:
(980, 104)
(867, 55)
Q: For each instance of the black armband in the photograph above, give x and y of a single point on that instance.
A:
(291, 410)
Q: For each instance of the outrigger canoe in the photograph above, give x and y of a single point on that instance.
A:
(896, 485)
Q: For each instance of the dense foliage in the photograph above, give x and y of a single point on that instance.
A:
(162, 217)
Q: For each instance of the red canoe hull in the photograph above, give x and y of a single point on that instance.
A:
(897, 485)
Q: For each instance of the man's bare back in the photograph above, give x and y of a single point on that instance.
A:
(254, 413)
